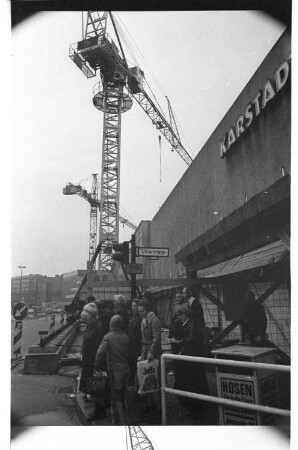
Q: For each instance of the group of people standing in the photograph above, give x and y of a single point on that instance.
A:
(114, 341)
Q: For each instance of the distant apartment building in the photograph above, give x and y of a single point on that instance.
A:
(55, 289)
(40, 290)
(31, 289)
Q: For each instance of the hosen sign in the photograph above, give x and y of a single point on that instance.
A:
(253, 109)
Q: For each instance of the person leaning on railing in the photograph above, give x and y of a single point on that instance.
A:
(190, 376)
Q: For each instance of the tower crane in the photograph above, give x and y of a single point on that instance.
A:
(138, 439)
(93, 200)
(113, 95)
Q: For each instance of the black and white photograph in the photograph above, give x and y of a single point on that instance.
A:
(149, 182)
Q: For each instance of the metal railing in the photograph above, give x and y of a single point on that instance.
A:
(212, 399)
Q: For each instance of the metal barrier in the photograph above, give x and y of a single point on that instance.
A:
(211, 399)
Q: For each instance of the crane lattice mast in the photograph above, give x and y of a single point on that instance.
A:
(93, 199)
(138, 439)
(113, 96)
(93, 217)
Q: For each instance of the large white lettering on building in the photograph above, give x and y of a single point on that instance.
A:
(254, 108)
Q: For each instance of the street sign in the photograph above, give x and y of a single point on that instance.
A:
(153, 251)
(20, 311)
(134, 268)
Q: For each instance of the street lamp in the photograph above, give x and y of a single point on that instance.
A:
(20, 291)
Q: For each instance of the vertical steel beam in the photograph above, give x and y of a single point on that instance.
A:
(93, 218)
(110, 170)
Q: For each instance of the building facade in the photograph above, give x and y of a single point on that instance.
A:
(229, 215)
(30, 289)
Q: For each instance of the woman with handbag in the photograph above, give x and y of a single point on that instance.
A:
(114, 351)
(91, 340)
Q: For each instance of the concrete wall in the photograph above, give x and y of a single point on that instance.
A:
(214, 187)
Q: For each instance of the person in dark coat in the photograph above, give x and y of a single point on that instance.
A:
(120, 308)
(151, 344)
(176, 332)
(255, 320)
(190, 376)
(189, 297)
(91, 340)
(135, 339)
(106, 312)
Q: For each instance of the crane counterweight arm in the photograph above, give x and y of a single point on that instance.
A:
(161, 124)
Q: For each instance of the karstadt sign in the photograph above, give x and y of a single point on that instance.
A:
(271, 88)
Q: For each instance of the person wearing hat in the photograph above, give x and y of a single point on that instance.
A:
(92, 338)
(114, 349)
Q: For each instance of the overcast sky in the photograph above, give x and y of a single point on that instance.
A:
(202, 60)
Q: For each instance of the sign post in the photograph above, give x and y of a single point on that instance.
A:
(155, 252)
(19, 312)
(134, 268)
(17, 339)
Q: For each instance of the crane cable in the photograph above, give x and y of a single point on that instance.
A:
(137, 50)
(129, 41)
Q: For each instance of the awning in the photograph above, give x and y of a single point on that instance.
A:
(157, 289)
(264, 256)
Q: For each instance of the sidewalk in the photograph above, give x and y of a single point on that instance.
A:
(53, 399)
(42, 399)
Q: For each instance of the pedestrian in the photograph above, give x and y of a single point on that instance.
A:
(194, 303)
(151, 343)
(176, 330)
(90, 299)
(92, 338)
(135, 339)
(178, 298)
(105, 312)
(120, 308)
(255, 320)
(114, 350)
(190, 376)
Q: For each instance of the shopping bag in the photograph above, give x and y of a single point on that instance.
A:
(148, 376)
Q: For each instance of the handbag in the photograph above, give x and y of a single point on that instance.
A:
(96, 385)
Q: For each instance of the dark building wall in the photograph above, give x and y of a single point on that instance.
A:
(214, 187)
(70, 284)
